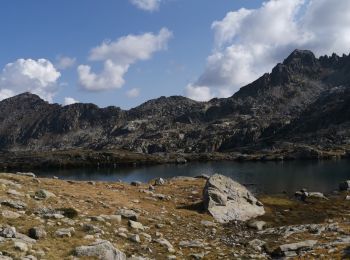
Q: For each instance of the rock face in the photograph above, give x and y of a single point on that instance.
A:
(304, 101)
(103, 250)
(227, 200)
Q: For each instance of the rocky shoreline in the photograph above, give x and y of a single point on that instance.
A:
(178, 218)
(78, 158)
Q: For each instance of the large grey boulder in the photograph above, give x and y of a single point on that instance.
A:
(101, 250)
(227, 200)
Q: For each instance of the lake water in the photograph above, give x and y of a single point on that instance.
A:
(262, 177)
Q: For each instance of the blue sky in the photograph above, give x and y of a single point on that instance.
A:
(195, 60)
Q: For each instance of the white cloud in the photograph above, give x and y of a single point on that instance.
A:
(198, 93)
(36, 76)
(147, 5)
(70, 101)
(118, 56)
(64, 62)
(249, 43)
(133, 93)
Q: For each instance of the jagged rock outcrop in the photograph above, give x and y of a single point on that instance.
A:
(304, 100)
(227, 200)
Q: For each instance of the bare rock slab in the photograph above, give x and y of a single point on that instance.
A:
(227, 200)
(101, 250)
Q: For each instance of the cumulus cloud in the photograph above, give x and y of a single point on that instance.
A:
(64, 62)
(249, 42)
(36, 76)
(198, 93)
(69, 101)
(118, 56)
(147, 5)
(133, 93)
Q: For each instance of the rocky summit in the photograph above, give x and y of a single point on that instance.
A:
(299, 110)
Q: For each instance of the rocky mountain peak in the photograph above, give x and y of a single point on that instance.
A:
(301, 57)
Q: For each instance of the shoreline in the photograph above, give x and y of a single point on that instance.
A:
(85, 158)
(171, 222)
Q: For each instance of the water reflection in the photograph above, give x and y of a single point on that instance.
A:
(267, 177)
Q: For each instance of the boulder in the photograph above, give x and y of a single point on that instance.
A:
(37, 233)
(344, 186)
(227, 200)
(8, 232)
(10, 214)
(159, 181)
(101, 250)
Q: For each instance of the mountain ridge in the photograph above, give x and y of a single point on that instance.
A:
(280, 107)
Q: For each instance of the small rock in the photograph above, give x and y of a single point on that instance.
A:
(159, 181)
(128, 214)
(135, 225)
(65, 232)
(192, 243)
(258, 225)
(37, 233)
(44, 194)
(135, 238)
(166, 243)
(27, 174)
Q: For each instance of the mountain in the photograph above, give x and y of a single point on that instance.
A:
(302, 105)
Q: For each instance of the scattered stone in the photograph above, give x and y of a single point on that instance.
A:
(37, 233)
(15, 193)
(256, 244)
(65, 232)
(197, 256)
(136, 183)
(203, 176)
(192, 243)
(165, 243)
(258, 225)
(10, 214)
(159, 181)
(135, 225)
(102, 250)
(128, 214)
(8, 232)
(91, 229)
(21, 246)
(27, 174)
(44, 194)
(135, 238)
(208, 223)
(16, 204)
(294, 248)
(227, 200)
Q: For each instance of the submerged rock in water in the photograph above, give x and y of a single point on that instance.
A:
(228, 200)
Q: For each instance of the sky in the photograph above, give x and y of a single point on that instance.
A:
(125, 52)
